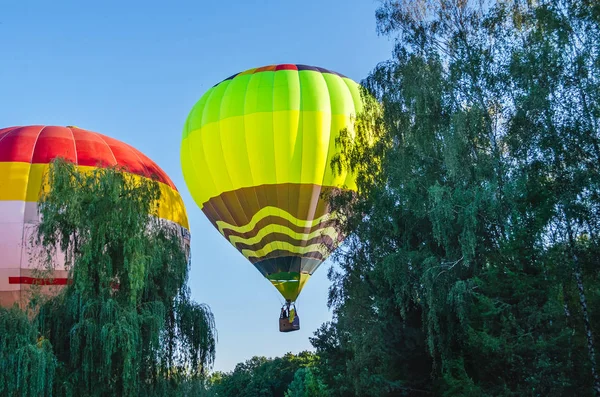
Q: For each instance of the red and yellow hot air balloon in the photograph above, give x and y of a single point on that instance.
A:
(256, 152)
(25, 154)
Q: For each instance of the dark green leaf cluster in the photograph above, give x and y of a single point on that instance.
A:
(27, 363)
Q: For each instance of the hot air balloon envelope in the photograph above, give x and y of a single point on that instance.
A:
(256, 152)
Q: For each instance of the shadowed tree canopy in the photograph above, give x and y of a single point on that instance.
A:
(469, 270)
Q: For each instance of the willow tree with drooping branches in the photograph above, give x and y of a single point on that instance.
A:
(27, 363)
(126, 324)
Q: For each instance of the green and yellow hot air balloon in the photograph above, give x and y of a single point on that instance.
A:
(256, 153)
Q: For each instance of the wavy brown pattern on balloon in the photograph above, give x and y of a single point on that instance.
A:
(325, 240)
(278, 221)
(303, 201)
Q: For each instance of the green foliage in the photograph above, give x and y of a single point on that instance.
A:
(467, 270)
(125, 325)
(27, 364)
(262, 377)
(306, 384)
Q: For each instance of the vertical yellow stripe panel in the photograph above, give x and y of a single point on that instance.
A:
(355, 95)
(286, 90)
(212, 109)
(211, 152)
(236, 157)
(13, 180)
(194, 169)
(315, 143)
(37, 173)
(251, 99)
(233, 101)
(295, 159)
(200, 167)
(260, 146)
(194, 120)
(285, 131)
(341, 103)
(315, 126)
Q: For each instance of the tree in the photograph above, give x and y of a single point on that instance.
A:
(481, 187)
(261, 376)
(557, 101)
(306, 384)
(125, 325)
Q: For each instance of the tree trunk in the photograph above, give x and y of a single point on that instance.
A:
(583, 303)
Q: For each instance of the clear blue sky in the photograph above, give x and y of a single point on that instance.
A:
(133, 70)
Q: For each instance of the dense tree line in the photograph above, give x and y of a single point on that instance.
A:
(288, 376)
(471, 266)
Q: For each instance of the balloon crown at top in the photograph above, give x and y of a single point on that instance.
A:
(282, 66)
